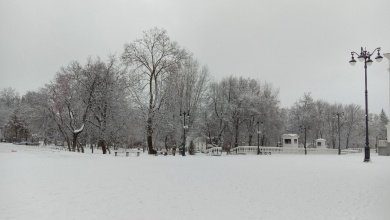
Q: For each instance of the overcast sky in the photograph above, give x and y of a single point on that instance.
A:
(298, 46)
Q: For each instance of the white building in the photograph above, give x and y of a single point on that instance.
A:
(320, 143)
(290, 140)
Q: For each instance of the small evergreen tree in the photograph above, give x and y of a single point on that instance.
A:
(16, 129)
(384, 120)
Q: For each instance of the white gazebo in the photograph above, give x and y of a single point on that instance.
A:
(290, 140)
(320, 143)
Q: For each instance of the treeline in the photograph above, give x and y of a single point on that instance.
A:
(324, 120)
(157, 95)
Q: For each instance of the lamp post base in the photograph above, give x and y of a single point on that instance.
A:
(366, 154)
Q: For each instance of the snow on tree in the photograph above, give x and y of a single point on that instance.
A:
(16, 129)
(109, 107)
(71, 97)
(37, 115)
(235, 105)
(9, 101)
(142, 97)
(384, 120)
(152, 58)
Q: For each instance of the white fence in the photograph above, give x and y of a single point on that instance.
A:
(254, 149)
(214, 151)
(288, 150)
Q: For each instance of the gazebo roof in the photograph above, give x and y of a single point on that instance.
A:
(290, 136)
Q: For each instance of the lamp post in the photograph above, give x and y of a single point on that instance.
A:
(304, 128)
(258, 136)
(185, 127)
(365, 56)
(338, 115)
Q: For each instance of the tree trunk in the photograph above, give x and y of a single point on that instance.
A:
(102, 144)
(262, 140)
(80, 147)
(334, 142)
(149, 137)
(149, 122)
(68, 143)
(347, 141)
(74, 142)
(250, 140)
(305, 142)
(236, 132)
(166, 143)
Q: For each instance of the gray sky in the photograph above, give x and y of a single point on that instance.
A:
(298, 46)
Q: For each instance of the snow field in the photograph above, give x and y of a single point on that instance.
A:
(46, 184)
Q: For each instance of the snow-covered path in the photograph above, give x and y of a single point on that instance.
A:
(36, 184)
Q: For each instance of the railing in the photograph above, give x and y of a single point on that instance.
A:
(254, 149)
(352, 150)
(283, 150)
(214, 151)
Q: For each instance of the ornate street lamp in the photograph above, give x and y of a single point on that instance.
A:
(365, 56)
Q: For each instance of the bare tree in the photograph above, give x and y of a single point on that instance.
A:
(236, 105)
(106, 102)
(9, 101)
(303, 114)
(153, 57)
(353, 117)
(35, 107)
(71, 97)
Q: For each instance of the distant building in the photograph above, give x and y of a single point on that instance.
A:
(290, 140)
(320, 143)
(383, 148)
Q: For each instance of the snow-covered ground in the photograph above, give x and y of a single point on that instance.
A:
(47, 184)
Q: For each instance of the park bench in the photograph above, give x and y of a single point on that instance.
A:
(127, 153)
